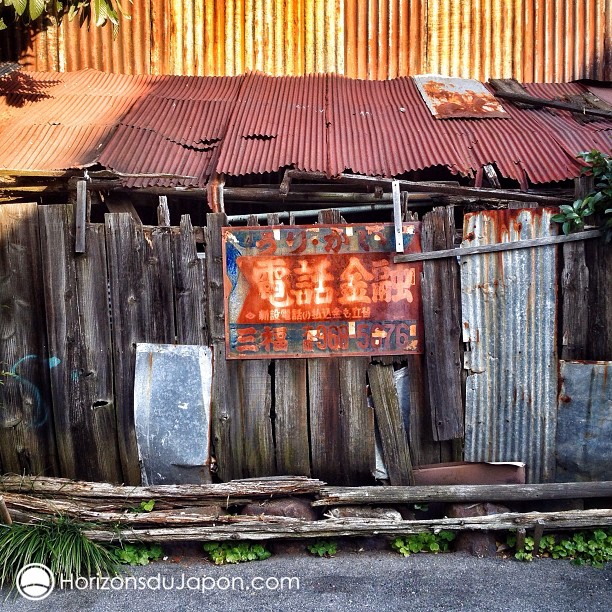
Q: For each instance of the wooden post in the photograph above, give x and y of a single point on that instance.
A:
(163, 212)
(80, 215)
(5, 517)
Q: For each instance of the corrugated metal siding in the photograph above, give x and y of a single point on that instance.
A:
(509, 309)
(530, 40)
(584, 422)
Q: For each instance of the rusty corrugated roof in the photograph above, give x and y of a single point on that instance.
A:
(251, 124)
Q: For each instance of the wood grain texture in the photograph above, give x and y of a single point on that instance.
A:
(442, 320)
(78, 327)
(27, 440)
(575, 302)
(189, 287)
(390, 424)
(142, 310)
(291, 416)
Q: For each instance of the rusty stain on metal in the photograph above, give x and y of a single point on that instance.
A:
(541, 41)
(320, 291)
(450, 98)
(509, 309)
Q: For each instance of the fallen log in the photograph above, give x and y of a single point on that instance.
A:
(336, 496)
(225, 493)
(331, 528)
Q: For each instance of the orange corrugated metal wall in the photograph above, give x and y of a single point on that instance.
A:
(531, 40)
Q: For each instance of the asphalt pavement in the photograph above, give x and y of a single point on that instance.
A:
(369, 580)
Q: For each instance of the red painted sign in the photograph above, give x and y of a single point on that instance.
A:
(316, 291)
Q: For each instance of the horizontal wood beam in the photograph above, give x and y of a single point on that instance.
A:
(331, 528)
(533, 101)
(496, 248)
(337, 496)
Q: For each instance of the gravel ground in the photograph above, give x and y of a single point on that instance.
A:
(352, 580)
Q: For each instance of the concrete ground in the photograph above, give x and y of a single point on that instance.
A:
(352, 580)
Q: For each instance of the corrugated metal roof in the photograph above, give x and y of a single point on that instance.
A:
(584, 422)
(191, 126)
(509, 310)
(542, 40)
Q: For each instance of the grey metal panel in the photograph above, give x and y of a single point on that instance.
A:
(509, 306)
(584, 422)
(172, 395)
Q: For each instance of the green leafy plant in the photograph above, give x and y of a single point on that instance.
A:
(225, 552)
(423, 542)
(322, 548)
(138, 553)
(143, 506)
(59, 544)
(591, 547)
(597, 204)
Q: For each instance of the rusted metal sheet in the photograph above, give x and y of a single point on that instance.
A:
(172, 396)
(584, 422)
(452, 98)
(509, 309)
(320, 291)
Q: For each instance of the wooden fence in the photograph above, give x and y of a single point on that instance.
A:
(69, 323)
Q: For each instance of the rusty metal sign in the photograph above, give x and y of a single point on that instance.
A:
(321, 291)
(453, 98)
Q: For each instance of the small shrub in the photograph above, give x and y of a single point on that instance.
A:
(423, 542)
(225, 552)
(322, 548)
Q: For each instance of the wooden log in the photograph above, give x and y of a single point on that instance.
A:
(442, 321)
(253, 488)
(27, 439)
(79, 335)
(189, 273)
(432, 187)
(332, 528)
(335, 496)
(142, 310)
(390, 424)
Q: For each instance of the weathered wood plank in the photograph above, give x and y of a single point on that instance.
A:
(27, 440)
(226, 420)
(390, 424)
(189, 287)
(163, 212)
(295, 528)
(598, 256)
(442, 320)
(80, 216)
(338, 496)
(142, 310)
(291, 416)
(575, 288)
(78, 328)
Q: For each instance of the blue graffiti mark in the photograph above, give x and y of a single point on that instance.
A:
(75, 375)
(232, 254)
(41, 411)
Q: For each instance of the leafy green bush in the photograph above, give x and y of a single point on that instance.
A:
(598, 203)
(225, 552)
(138, 553)
(423, 542)
(322, 548)
(591, 547)
(59, 544)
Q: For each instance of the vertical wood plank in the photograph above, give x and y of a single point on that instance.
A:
(599, 261)
(27, 441)
(142, 310)
(78, 327)
(189, 287)
(163, 212)
(575, 302)
(390, 424)
(80, 217)
(442, 320)
(291, 417)
(226, 419)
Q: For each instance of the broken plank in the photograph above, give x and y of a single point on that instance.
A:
(390, 424)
